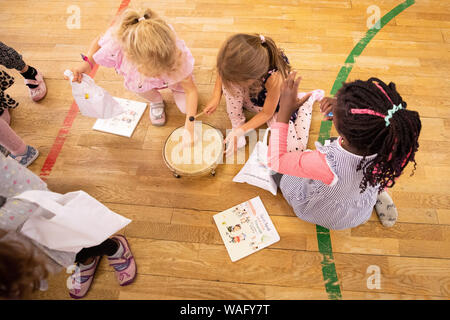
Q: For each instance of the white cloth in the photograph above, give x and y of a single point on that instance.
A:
(92, 100)
(79, 221)
(256, 170)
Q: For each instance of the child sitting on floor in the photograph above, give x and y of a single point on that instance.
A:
(337, 186)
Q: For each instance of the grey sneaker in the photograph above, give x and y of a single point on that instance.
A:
(28, 157)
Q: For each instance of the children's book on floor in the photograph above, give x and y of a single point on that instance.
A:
(125, 123)
(246, 228)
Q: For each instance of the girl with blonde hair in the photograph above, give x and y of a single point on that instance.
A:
(145, 50)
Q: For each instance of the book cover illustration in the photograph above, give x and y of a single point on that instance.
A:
(246, 228)
(124, 124)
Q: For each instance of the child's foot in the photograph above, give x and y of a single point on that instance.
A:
(82, 280)
(386, 210)
(157, 113)
(28, 157)
(36, 85)
(123, 262)
(241, 142)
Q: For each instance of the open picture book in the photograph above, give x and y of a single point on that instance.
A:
(125, 123)
(246, 228)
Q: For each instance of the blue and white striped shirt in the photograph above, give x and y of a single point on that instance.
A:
(340, 205)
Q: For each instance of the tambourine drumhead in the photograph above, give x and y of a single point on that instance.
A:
(201, 158)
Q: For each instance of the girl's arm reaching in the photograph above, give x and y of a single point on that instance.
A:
(270, 104)
(84, 66)
(191, 107)
(307, 164)
(273, 86)
(213, 103)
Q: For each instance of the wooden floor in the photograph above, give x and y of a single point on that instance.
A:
(178, 250)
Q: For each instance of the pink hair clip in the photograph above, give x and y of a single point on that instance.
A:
(382, 90)
(263, 39)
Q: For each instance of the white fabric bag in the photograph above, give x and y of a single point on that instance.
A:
(92, 100)
(256, 170)
(79, 221)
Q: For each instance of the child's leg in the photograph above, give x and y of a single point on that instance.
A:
(152, 96)
(10, 58)
(179, 96)
(108, 247)
(15, 179)
(6, 116)
(34, 80)
(157, 113)
(235, 99)
(8, 138)
(119, 256)
(299, 128)
(87, 260)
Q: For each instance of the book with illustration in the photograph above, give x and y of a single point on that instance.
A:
(246, 228)
(125, 123)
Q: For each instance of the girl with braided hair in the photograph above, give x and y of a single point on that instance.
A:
(337, 186)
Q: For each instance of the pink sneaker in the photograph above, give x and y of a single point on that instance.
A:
(125, 266)
(157, 113)
(81, 281)
(40, 91)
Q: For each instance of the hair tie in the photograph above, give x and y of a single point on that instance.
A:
(263, 39)
(382, 90)
(387, 118)
(391, 112)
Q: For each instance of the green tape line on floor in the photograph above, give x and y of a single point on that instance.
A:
(330, 276)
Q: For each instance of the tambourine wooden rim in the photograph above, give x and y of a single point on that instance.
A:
(206, 170)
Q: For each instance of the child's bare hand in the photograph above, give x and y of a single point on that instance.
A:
(327, 105)
(211, 107)
(289, 101)
(289, 92)
(231, 141)
(78, 71)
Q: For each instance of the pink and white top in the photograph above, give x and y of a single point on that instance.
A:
(111, 55)
(307, 164)
(322, 186)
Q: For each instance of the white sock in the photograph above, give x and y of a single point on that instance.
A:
(386, 210)
(86, 266)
